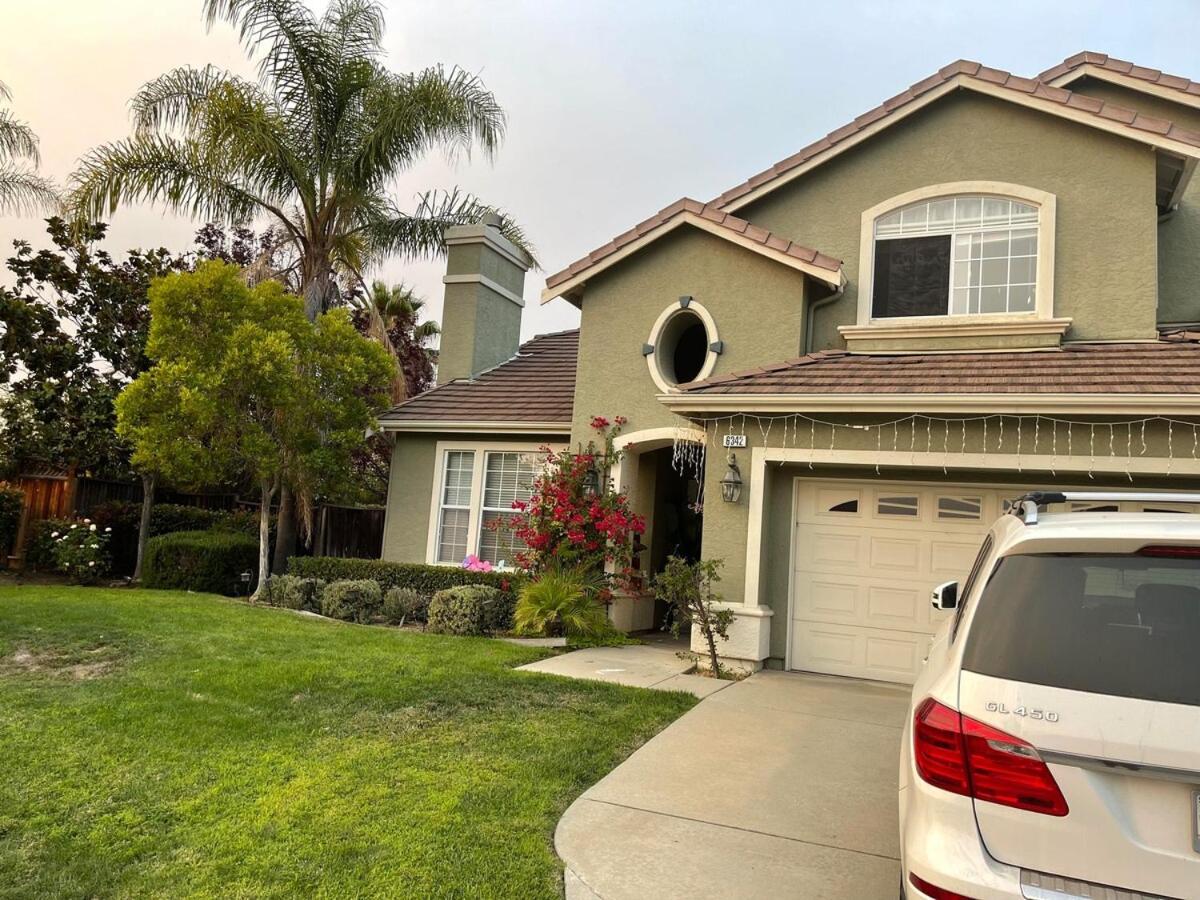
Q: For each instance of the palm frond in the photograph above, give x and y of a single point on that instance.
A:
(179, 98)
(408, 115)
(17, 140)
(5, 93)
(25, 193)
(420, 234)
(177, 173)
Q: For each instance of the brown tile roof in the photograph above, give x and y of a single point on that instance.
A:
(1120, 67)
(726, 221)
(537, 386)
(1150, 367)
(970, 72)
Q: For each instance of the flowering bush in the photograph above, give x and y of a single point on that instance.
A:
(564, 524)
(81, 551)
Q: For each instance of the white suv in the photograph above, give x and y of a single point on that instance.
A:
(1052, 749)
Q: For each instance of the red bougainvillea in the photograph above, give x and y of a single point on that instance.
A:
(564, 524)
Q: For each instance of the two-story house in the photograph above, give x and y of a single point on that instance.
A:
(985, 284)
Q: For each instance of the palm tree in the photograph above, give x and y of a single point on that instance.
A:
(392, 320)
(313, 145)
(22, 190)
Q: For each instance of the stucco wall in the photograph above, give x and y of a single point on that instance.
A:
(1106, 241)
(1179, 233)
(415, 464)
(726, 524)
(758, 306)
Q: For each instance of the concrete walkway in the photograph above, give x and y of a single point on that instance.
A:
(654, 664)
(782, 785)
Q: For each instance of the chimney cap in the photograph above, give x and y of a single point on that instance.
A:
(491, 218)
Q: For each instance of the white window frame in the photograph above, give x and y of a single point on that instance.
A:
(1040, 320)
(481, 449)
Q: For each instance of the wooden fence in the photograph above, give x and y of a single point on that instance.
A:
(345, 531)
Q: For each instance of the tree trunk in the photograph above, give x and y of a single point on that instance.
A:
(148, 483)
(285, 531)
(264, 539)
(709, 638)
(319, 290)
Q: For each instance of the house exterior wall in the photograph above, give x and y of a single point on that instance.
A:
(415, 466)
(757, 304)
(1179, 233)
(1106, 243)
(727, 526)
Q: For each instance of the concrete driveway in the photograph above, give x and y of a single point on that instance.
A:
(783, 785)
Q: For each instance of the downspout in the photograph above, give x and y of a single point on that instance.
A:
(809, 315)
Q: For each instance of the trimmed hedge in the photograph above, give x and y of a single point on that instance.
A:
(353, 601)
(294, 592)
(425, 580)
(168, 518)
(12, 502)
(471, 609)
(403, 605)
(209, 561)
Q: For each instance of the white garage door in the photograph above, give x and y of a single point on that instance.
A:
(867, 555)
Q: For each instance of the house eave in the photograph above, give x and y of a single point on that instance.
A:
(1012, 404)
(434, 426)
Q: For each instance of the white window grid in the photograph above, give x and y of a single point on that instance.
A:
(454, 516)
(508, 476)
(993, 253)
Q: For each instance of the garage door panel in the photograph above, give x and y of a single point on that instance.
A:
(860, 652)
(901, 554)
(861, 580)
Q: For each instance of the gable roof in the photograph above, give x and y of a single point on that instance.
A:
(534, 392)
(1134, 371)
(707, 218)
(968, 75)
(1120, 71)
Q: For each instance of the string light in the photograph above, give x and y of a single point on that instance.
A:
(689, 453)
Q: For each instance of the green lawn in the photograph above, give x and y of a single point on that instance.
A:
(156, 743)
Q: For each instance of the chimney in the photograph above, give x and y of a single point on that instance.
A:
(481, 319)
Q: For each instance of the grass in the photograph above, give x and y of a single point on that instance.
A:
(165, 744)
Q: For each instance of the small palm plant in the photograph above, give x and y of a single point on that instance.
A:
(561, 602)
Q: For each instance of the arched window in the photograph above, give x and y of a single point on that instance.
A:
(964, 255)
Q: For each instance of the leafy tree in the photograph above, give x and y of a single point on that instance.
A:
(688, 588)
(72, 334)
(244, 385)
(22, 190)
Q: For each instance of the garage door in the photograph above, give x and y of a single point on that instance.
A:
(866, 557)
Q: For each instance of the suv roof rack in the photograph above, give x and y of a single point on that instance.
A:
(1026, 506)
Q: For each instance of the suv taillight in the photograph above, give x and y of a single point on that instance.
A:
(959, 754)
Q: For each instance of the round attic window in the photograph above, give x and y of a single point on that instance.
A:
(683, 345)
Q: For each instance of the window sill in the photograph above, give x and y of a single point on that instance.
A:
(953, 326)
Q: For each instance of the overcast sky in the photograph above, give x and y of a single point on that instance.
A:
(616, 109)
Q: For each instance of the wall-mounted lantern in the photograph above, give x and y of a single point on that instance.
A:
(731, 484)
(591, 481)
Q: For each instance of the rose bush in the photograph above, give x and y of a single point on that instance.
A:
(81, 551)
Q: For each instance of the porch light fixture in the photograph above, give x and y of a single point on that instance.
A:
(591, 481)
(731, 484)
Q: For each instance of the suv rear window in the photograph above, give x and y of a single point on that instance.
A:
(1123, 625)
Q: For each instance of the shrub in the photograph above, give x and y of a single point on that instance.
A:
(425, 580)
(359, 601)
(559, 603)
(123, 517)
(168, 518)
(294, 592)
(210, 561)
(81, 551)
(688, 588)
(473, 609)
(242, 521)
(12, 502)
(402, 605)
(39, 549)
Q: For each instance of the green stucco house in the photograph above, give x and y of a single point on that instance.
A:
(986, 284)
